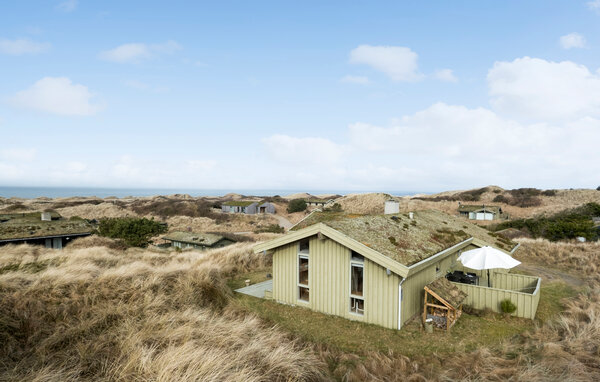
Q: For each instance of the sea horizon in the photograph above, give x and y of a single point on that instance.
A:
(104, 192)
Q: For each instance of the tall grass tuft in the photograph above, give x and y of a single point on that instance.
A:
(102, 314)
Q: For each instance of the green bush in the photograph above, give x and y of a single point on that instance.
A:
(501, 199)
(296, 205)
(335, 208)
(272, 228)
(567, 224)
(507, 306)
(133, 231)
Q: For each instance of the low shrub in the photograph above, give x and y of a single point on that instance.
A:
(501, 199)
(133, 231)
(271, 228)
(336, 207)
(296, 205)
(567, 224)
(507, 306)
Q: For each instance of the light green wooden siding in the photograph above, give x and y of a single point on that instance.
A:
(412, 288)
(284, 273)
(329, 283)
(514, 282)
(412, 292)
(329, 268)
(482, 297)
(381, 296)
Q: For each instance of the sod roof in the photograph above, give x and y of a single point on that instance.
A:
(203, 239)
(30, 225)
(239, 203)
(406, 240)
(448, 291)
(473, 208)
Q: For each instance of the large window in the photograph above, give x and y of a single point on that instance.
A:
(357, 300)
(303, 291)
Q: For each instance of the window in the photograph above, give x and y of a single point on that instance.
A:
(357, 300)
(304, 246)
(303, 291)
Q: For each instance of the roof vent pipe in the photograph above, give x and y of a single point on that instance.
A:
(411, 215)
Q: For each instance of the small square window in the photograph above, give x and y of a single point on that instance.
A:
(304, 245)
(357, 257)
(357, 305)
(303, 294)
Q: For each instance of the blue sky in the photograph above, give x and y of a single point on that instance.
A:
(420, 96)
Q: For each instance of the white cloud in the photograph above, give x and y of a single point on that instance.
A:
(302, 151)
(397, 62)
(18, 154)
(137, 52)
(201, 165)
(360, 80)
(457, 145)
(594, 5)
(572, 40)
(126, 168)
(57, 95)
(75, 167)
(67, 6)
(534, 88)
(446, 75)
(140, 85)
(22, 46)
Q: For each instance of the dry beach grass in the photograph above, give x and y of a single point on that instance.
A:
(95, 311)
(100, 314)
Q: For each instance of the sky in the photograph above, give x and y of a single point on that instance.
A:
(311, 95)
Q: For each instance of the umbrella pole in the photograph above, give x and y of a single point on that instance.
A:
(489, 285)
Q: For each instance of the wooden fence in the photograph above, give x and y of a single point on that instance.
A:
(523, 291)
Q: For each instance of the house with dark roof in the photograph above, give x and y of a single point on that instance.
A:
(248, 207)
(315, 202)
(370, 268)
(46, 228)
(479, 212)
(195, 240)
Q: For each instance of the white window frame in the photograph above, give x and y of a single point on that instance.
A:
(302, 255)
(360, 264)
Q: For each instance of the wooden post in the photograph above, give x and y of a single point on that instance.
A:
(425, 308)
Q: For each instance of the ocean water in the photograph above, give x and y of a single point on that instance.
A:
(63, 192)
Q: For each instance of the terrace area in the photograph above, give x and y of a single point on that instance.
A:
(521, 290)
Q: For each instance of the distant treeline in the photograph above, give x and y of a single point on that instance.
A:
(567, 224)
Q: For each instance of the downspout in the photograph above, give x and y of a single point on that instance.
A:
(400, 302)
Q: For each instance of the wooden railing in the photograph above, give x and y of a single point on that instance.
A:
(523, 291)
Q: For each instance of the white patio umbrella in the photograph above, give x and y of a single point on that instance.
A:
(487, 258)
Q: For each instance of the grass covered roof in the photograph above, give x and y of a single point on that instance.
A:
(30, 225)
(406, 240)
(239, 203)
(473, 208)
(204, 239)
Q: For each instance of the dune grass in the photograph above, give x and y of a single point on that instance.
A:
(97, 314)
(90, 312)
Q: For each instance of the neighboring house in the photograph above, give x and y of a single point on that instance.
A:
(194, 240)
(248, 207)
(370, 268)
(42, 228)
(318, 202)
(481, 212)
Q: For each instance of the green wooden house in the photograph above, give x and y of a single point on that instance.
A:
(370, 268)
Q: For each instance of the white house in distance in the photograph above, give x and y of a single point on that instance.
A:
(248, 207)
(479, 212)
